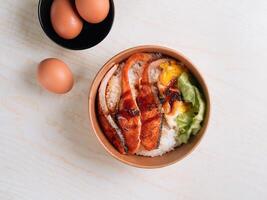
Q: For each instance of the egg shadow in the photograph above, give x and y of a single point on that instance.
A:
(73, 119)
(27, 81)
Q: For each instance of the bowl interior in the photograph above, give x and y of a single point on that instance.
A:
(140, 161)
(91, 34)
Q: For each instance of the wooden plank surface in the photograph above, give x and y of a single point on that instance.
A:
(47, 149)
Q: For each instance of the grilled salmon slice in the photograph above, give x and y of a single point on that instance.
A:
(149, 106)
(128, 115)
(110, 128)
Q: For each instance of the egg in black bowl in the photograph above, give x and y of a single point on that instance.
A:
(90, 35)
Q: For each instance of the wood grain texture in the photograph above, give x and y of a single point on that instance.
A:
(47, 150)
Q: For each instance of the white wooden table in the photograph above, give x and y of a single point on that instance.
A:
(47, 149)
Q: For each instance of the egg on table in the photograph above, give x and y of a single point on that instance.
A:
(65, 19)
(93, 11)
(54, 75)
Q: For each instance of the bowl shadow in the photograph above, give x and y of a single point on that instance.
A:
(78, 131)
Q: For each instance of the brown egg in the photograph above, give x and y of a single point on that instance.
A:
(93, 11)
(65, 19)
(54, 75)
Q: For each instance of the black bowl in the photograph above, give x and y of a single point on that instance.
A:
(91, 34)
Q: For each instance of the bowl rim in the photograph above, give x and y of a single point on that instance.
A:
(91, 102)
(79, 48)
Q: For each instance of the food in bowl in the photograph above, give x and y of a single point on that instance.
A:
(149, 104)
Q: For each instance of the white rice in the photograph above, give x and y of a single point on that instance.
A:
(113, 91)
(167, 143)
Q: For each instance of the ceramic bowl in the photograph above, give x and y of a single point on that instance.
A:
(141, 161)
(91, 34)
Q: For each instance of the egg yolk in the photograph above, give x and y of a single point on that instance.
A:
(170, 70)
(183, 107)
(179, 106)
